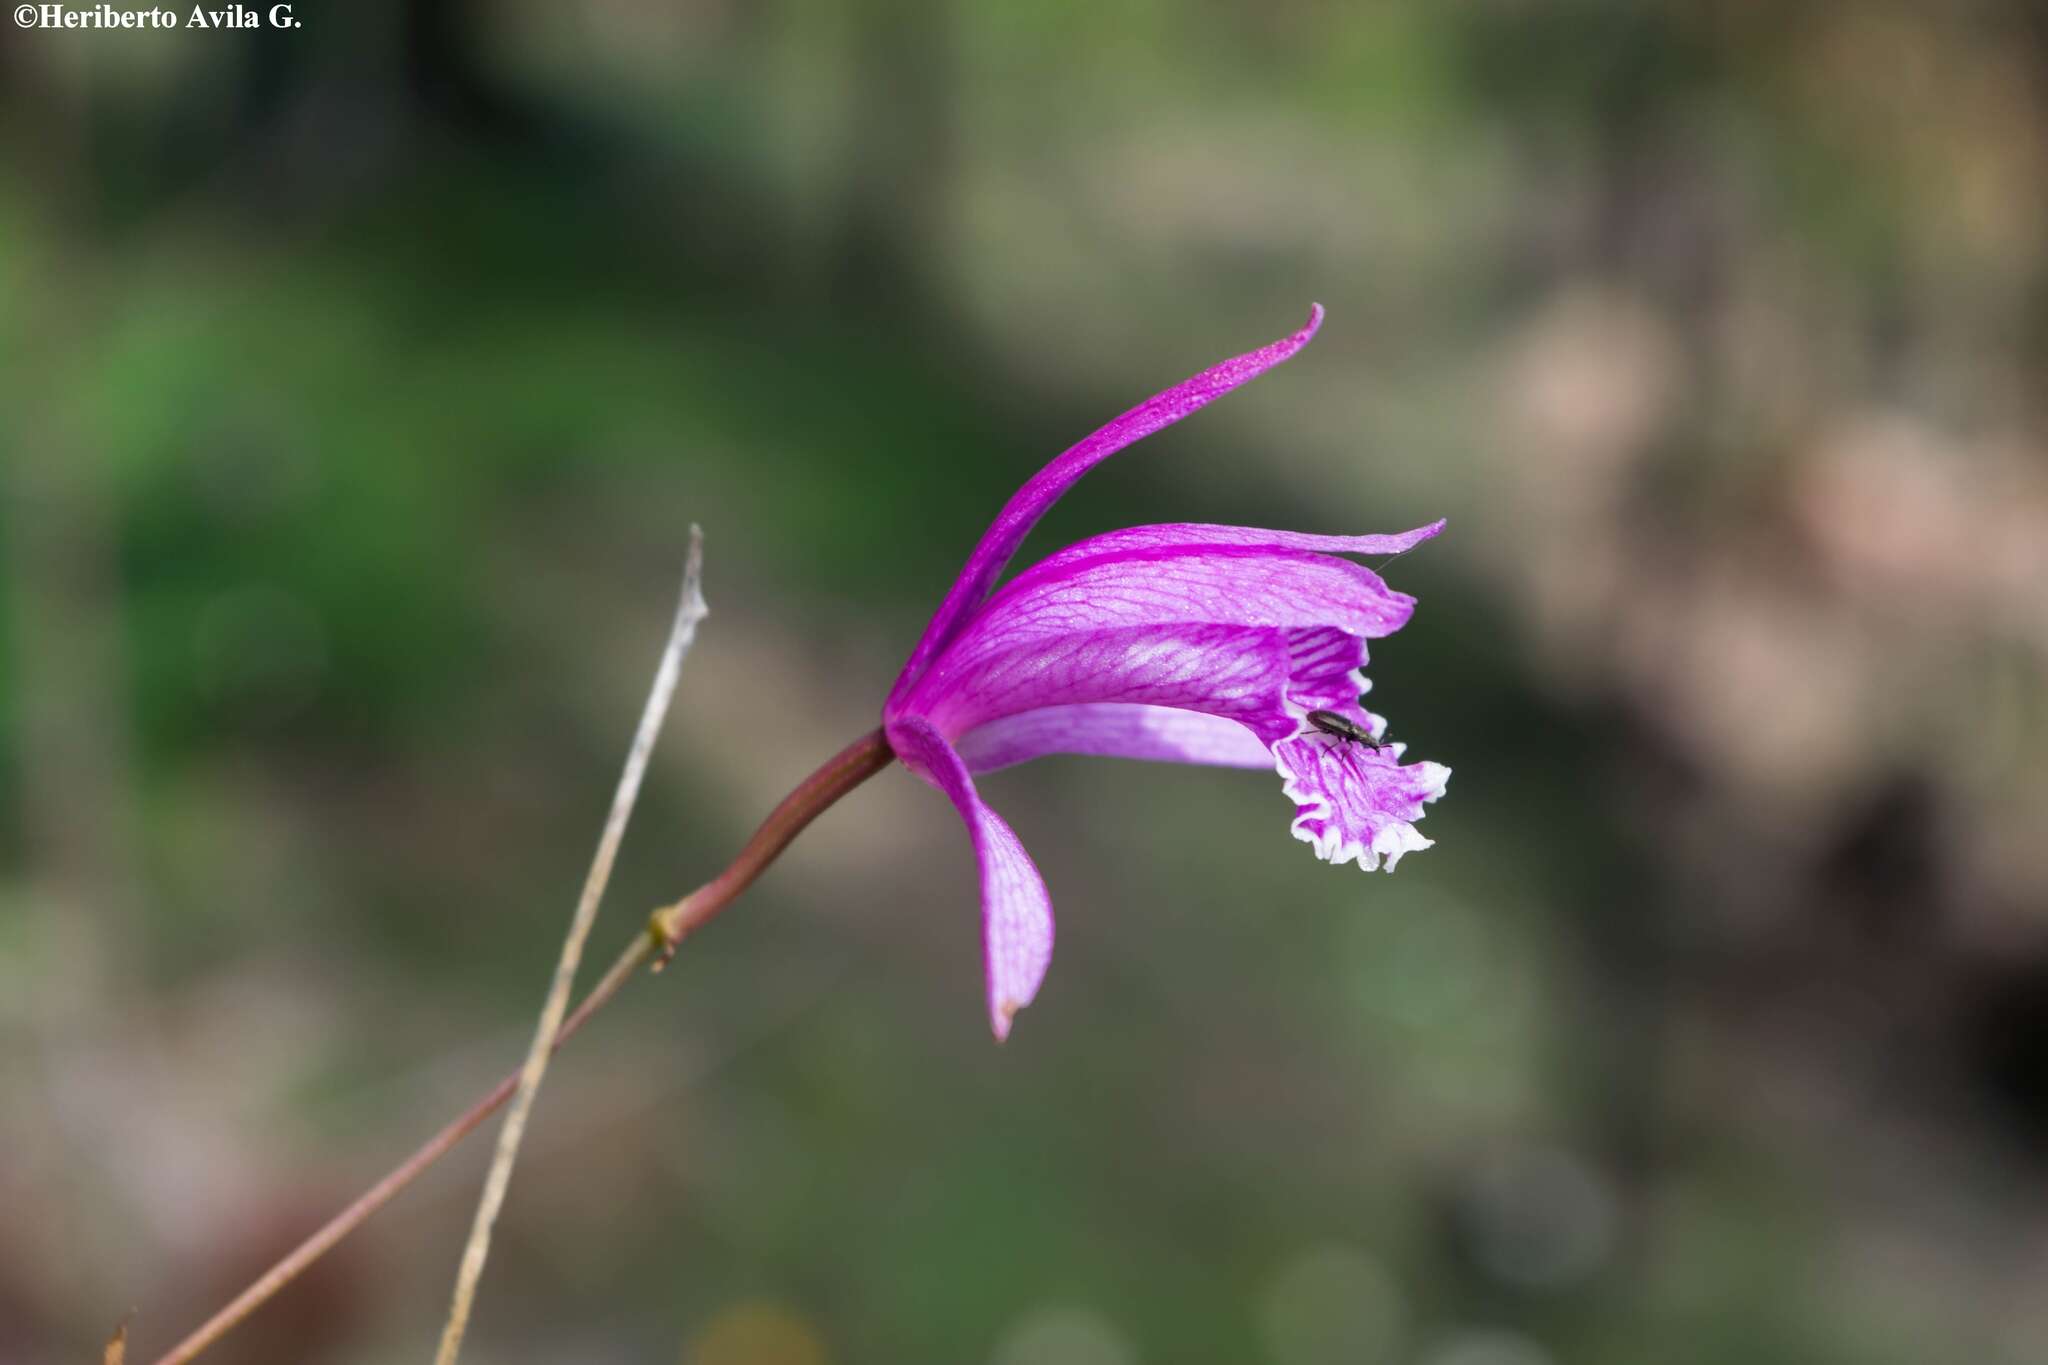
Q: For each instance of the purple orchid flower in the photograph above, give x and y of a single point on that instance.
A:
(1186, 643)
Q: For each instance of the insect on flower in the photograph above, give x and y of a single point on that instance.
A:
(1179, 643)
(1343, 728)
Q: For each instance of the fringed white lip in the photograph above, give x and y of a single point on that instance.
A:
(1354, 805)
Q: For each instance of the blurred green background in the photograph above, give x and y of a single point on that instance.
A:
(359, 383)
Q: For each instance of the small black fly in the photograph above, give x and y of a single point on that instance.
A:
(1343, 728)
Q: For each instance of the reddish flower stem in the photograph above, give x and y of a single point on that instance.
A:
(844, 771)
(667, 928)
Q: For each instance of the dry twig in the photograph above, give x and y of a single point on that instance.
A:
(689, 612)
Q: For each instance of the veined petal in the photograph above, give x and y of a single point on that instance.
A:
(1285, 589)
(1030, 502)
(1325, 671)
(1194, 535)
(1352, 802)
(1113, 730)
(1235, 672)
(1016, 912)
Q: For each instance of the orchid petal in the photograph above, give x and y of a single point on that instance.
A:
(1324, 671)
(1016, 911)
(1235, 672)
(1353, 802)
(1277, 589)
(1030, 502)
(1193, 535)
(1113, 730)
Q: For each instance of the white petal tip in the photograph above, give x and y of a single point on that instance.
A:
(1395, 840)
(1438, 777)
(1387, 847)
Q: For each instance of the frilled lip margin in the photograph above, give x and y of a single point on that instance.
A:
(1183, 643)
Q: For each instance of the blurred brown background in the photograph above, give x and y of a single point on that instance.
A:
(359, 382)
